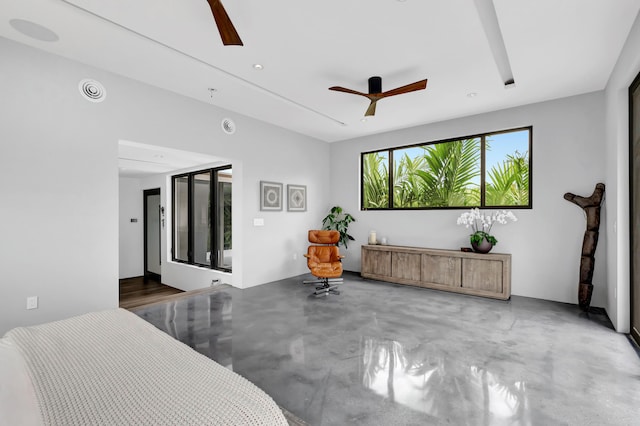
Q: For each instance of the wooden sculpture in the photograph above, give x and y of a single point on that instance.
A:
(591, 207)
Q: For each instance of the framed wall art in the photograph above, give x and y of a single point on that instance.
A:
(296, 198)
(270, 196)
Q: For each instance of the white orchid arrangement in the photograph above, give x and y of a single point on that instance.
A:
(481, 223)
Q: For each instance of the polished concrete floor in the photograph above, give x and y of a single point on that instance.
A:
(382, 354)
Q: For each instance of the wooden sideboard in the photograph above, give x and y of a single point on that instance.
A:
(487, 275)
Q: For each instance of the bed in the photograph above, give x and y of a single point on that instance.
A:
(112, 367)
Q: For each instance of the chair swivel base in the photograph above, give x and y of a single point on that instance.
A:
(326, 288)
(321, 281)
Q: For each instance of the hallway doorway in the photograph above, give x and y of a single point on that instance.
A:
(152, 232)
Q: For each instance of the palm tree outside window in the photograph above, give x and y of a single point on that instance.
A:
(487, 170)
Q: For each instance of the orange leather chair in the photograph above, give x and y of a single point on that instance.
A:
(324, 260)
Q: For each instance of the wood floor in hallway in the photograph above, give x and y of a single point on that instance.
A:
(138, 291)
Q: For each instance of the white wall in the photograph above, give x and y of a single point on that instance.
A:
(131, 242)
(545, 243)
(58, 192)
(59, 182)
(617, 157)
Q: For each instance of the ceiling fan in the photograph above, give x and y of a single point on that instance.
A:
(376, 93)
(227, 31)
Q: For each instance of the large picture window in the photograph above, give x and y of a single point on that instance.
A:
(488, 170)
(202, 218)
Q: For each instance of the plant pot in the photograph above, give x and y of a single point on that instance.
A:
(483, 247)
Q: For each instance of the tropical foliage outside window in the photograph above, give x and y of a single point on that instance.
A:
(489, 170)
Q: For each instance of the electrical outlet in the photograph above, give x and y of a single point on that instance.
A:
(295, 256)
(32, 302)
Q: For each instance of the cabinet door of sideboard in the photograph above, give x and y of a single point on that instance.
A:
(405, 266)
(441, 270)
(483, 275)
(376, 262)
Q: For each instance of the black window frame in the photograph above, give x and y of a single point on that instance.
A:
(213, 194)
(482, 205)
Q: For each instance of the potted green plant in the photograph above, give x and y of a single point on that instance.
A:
(339, 221)
(480, 223)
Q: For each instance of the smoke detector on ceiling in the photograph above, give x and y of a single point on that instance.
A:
(92, 90)
(228, 126)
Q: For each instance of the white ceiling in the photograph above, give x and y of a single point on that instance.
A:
(556, 48)
(137, 160)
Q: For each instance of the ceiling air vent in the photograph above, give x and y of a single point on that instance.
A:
(92, 90)
(228, 126)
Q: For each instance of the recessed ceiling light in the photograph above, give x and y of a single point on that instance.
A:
(33, 30)
(472, 95)
(364, 120)
(257, 67)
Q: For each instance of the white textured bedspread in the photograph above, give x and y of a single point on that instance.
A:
(114, 368)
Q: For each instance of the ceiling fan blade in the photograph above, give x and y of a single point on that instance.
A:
(372, 108)
(345, 90)
(227, 31)
(418, 85)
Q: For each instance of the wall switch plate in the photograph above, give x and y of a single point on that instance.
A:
(258, 221)
(32, 302)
